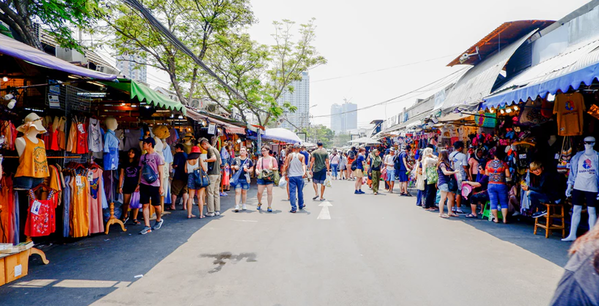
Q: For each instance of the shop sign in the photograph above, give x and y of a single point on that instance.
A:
(212, 129)
(54, 101)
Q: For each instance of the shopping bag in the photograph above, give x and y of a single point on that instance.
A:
(327, 181)
(282, 182)
(134, 203)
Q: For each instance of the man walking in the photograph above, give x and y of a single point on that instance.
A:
(402, 166)
(294, 170)
(389, 163)
(359, 172)
(459, 162)
(214, 165)
(320, 166)
(150, 185)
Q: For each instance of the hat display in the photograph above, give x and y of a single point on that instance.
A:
(194, 153)
(189, 135)
(161, 131)
(32, 121)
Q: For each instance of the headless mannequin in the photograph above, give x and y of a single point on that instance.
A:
(20, 142)
(589, 153)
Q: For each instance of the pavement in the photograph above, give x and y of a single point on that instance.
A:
(368, 250)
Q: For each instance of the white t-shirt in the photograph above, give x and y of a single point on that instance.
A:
(458, 161)
(586, 178)
(389, 160)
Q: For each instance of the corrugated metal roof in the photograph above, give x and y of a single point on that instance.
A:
(501, 37)
(532, 81)
(478, 82)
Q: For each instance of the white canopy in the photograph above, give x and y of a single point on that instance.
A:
(365, 140)
(281, 134)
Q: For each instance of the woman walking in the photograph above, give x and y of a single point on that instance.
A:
(194, 162)
(264, 166)
(335, 164)
(129, 180)
(242, 164)
(375, 166)
(429, 166)
(342, 165)
(498, 171)
(446, 179)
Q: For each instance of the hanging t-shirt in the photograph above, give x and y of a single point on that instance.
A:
(586, 178)
(569, 109)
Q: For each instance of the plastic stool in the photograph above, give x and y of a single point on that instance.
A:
(487, 212)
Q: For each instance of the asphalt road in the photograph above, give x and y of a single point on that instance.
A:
(374, 250)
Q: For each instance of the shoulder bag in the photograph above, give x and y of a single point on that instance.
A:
(147, 172)
(201, 178)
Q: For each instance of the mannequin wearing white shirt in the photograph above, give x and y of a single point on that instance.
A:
(583, 180)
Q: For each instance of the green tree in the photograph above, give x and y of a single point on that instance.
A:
(341, 139)
(195, 23)
(57, 16)
(319, 133)
(261, 74)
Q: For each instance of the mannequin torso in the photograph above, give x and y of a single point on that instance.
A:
(20, 143)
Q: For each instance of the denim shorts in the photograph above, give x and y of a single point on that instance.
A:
(444, 187)
(191, 183)
(263, 182)
(242, 184)
(26, 182)
(390, 175)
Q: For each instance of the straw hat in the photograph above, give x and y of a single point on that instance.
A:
(32, 121)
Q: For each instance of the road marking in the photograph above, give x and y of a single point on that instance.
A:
(324, 213)
(244, 220)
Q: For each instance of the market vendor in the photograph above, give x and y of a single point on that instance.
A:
(479, 194)
(542, 188)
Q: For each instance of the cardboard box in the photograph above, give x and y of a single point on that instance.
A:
(2, 275)
(16, 266)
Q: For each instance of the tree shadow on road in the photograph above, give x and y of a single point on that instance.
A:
(82, 271)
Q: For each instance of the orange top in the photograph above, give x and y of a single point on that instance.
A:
(33, 162)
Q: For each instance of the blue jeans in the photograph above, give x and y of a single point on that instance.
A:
(420, 198)
(498, 196)
(296, 182)
(536, 198)
(334, 169)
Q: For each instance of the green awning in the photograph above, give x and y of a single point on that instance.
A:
(144, 93)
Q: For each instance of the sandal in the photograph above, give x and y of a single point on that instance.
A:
(444, 216)
(471, 216)
(135, 222)
(190, 216)
(453, 215)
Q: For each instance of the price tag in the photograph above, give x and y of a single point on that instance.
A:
(90, 176)
(78, 181)
(80, 128)
(35, 207)
(556, 156)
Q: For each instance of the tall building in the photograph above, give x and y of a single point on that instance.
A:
(344, 117)
(131, 69)
(300, 98)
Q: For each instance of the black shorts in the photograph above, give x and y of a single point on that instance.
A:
(584, 197)
(149, 193)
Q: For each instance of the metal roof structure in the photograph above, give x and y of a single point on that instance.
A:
(498, 39)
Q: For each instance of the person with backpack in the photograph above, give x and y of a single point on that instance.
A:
(294, 170)
(243, 166)
(150, 185)
(214, 169)
(375, 170)
(358, 170)
(351, 157)
(431, 177)
(194, 162)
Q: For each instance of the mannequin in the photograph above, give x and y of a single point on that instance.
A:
(583, 184)
(111, 145)
(33, 165)
(188, 142)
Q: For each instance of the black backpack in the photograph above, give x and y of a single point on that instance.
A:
(354, 165)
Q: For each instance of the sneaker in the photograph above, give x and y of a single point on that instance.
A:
(302, 207)
(259, 206)
(243, 207)
(269, 209)
(357, 192)
(210, 214)
(361, 192)
(292, 211)
(236, 208)
(217, 213)
(539, 214)
(157, 225)
(145, 230)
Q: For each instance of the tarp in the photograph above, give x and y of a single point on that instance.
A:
(143, 93)
(281, 134)
(17, 49)
(230, 128)
(578, 64)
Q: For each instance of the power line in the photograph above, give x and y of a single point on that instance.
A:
(379, 70)
(395, 98)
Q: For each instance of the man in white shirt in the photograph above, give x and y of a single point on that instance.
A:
(389, 162)
(459, 162)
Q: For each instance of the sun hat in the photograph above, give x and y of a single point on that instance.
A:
(195, 153)
(32, 121)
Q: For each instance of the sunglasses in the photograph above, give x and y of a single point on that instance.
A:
(589, 142)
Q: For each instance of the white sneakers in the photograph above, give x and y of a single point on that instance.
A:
(243, 207)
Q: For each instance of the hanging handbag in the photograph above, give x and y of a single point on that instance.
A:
(266, 174)
(277, 175)
(147, 172)
(201, 178)
(452, 183)
(563, 163)
(134, 202)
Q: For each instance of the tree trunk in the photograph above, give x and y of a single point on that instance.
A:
(193, 84)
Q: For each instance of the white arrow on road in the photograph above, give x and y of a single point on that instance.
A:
(324, 213)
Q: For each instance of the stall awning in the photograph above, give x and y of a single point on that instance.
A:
(230, 128)
(578, 64)
(17, 49)
(281, 134)
(143, 93)
(478, 82)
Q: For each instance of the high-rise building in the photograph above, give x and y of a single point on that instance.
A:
(300, 98)
(344, 117)
(131, 69)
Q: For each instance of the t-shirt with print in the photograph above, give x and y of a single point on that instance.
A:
(214, 167)
(586, 178)
(569, 109)
(320, 157)
(153, 160)
(458, 161)
(495, 169)
(239, 162)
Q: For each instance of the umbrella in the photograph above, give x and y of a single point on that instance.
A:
(365, 140)
(281, 134)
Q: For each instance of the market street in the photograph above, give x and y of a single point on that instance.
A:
(374, 250)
